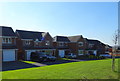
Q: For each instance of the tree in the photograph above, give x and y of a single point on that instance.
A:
(115, 41)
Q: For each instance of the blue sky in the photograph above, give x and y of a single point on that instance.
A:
(93, 20)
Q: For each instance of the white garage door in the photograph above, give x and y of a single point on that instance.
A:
(29, 53)
(61, 53)
(8, 55)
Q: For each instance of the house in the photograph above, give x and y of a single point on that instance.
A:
(71, 44)
(108, 48)
(94, 47)
(60, 43)
(32, 41)
(77, 45)
(8, 41)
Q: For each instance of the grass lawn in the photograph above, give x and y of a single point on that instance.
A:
(96, 69)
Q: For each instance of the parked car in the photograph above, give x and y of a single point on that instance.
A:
(105, 55)
(70, 55)
(40, 57)
(51, 58)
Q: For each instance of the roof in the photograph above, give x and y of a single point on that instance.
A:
(75, 38)
(7, 31)
(61, 39)
(23, 34)
(92, 41)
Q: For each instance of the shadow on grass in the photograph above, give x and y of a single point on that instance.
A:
(6, 66)
(58, 62)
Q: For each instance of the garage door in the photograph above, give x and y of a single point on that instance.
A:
(8, 55)
(29, 53)
(61, 53)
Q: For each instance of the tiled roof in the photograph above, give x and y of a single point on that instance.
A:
(7, 31)
(93, 41)
(96, 42)
(75, 38)
(61, 39)
(30, 34)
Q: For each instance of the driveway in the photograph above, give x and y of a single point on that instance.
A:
(16, 65)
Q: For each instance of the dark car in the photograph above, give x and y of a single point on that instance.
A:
(51, 58)
(70, 55)
(38, 56)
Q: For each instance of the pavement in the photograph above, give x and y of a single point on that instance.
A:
(6, 66)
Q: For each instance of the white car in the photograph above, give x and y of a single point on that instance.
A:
(70, 55)
(105, 55)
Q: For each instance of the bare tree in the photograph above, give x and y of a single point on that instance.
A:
(115, 41)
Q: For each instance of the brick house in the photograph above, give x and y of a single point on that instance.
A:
(108, 48)
(8, 41)
(19, 45)
(60, 43)
(94, 47)
(32, 41)
(71, 44)
(77, 45)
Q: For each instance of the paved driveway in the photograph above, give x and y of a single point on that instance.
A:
(16, 65)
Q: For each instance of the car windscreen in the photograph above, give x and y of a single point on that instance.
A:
(41, 54)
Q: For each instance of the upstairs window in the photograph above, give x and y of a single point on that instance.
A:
(91, 45)
(61, 43)
(36, 42)
(7, 40)
(27, 42)
(66, 44)
(47, 43)
(80, 44)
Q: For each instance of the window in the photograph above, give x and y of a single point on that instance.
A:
(80, 52)
(47, 43)
(61, 44)
(27, 42)
(7, 40)
(80, 43)
(36, 42)
(66, 44)
(91, 45)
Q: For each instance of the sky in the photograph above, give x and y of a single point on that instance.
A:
(93, 20)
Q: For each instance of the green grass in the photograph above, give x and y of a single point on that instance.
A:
(30, 62)
(97, 69)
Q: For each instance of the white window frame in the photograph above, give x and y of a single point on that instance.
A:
(27, 42)
(80, 53)
(80, 44)
(61, 43)
(47, 43)
(36, 42)
(91, 45)
(66, 43)
(7, 40)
